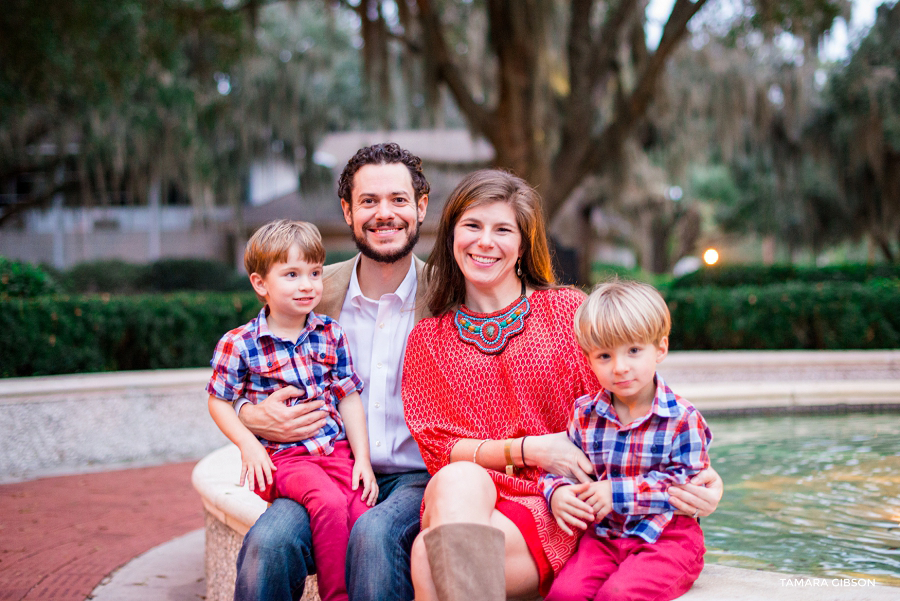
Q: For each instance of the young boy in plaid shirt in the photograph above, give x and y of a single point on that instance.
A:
(641, 438)
(287, 344)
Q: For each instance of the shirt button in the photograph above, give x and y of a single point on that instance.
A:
(321, 355)
(270, 364)
(377, 443)
(378, 365)
(381, 325)
(377, 405)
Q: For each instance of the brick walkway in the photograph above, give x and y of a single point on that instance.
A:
(59, 537)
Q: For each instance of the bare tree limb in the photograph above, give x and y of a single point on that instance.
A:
(634, 107)
(447, 70)
(34, 201)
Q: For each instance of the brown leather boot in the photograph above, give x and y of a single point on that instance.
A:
(467, 562)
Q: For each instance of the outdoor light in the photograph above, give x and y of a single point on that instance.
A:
(710, 257)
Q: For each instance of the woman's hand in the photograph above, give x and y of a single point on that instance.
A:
(555, 453)
(700, 496)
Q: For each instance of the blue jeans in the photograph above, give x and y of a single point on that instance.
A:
(276, 555)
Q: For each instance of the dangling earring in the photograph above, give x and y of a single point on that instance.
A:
(519, 267)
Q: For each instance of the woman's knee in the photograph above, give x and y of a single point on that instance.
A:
(462, 479)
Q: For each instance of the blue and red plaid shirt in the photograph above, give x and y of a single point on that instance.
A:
(251, 362)
(641, 460)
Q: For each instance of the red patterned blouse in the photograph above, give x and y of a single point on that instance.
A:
(451, 391)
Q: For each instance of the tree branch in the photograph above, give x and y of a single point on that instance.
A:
(447, 71)
(34, 201)
(633, 108)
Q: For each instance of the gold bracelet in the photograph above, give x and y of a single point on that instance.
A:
(507, 450)
(475, 454)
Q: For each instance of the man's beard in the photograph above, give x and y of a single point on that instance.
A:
(386, 257)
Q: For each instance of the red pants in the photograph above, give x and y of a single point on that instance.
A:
(321, 483)
(631, 569)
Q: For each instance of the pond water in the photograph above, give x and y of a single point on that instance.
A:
(809, 495)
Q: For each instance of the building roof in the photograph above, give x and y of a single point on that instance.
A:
(452, 147)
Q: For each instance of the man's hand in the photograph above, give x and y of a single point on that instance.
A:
(555, 454)
(599, 496)
(569, 510)
(700, 496)
(273, 420)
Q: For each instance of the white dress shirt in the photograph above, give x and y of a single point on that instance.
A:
(377, 331)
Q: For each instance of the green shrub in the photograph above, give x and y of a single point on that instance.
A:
(24, 280)
(108, 276)
(169, 275)
(833, 315)
(57, 335)
(728, 276)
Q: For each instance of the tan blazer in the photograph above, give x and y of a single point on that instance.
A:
(336, 281)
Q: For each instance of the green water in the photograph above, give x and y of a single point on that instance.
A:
(812, 495)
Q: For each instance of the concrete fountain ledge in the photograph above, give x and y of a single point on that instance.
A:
(716, 382)
(54, 425)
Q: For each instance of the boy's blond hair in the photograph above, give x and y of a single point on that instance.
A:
(272, 242)
(621, 312)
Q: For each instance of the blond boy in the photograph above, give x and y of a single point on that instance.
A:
(641, 438)
(287, 344)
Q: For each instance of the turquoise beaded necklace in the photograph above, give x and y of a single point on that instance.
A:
(490, 332)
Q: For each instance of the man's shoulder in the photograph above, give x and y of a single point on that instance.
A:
(335, 282)
(337, 269)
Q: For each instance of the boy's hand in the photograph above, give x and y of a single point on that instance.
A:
(598, 495)
(568, 509)
(362, 470)
(256, 466)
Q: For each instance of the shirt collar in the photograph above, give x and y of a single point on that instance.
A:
(313, 322)
(405, 291)
(664, 404)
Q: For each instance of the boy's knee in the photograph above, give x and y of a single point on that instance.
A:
(571, 591)
(618, 592)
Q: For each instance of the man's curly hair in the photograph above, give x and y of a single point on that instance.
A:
(382, 154)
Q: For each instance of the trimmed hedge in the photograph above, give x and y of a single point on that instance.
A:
(112, 276)
(58, 335)
(729, 276)
(787, 316)
(165, 275)
(169, 275)
(24, 280)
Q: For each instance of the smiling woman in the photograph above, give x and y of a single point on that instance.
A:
(488, 386)
(486, 244)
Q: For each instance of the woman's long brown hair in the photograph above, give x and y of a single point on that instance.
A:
(446, 287)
